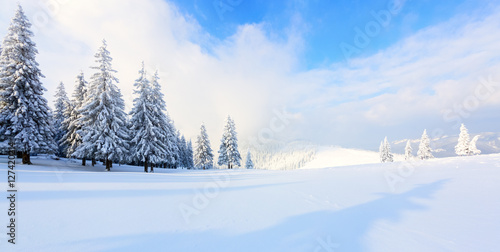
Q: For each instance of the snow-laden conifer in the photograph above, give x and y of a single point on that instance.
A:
(203, 156)
(189, 153)
(408, 151)
(24, 113)
(104, 128)
(462, 147)
(385, 152)
(249, 162)
(228, 151)
(424, 148)
(146, 145)
(62, 104)
(472, 147)
(73, 114)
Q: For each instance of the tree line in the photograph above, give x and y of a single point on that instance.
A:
(464, 147)
(93, 124)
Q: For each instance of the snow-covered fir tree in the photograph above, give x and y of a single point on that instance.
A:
(472, 147)
(385, 152)
(172, 155)
(189, 154)
(146, 145)
(104, 120)
(203, 156)
(462, 148)
(381, 152)
(424, 148)
(73, 116)
(168, 132)
(228, 151)
(24, 113)
(62, 104)
(408, 151)
(249, 162)
(183, 152)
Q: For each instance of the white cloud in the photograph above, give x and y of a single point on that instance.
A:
(252, 72)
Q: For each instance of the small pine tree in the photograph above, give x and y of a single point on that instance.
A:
(388, 154)
(249, 162)
(424, 148)
(385, 152)
(228, 151)
(408, 151)
(462, 148)
(381, 152)
(73, 116)
(24, 113)
(473, 148)
(190, 163)
(203, 156)
(62, 104)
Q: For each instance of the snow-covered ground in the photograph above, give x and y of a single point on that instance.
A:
(449, 204)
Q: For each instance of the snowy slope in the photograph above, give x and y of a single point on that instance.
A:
(446, 204)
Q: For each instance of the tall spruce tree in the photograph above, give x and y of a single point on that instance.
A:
(73, 115)
(104, 121)
(62, 105)
(24, 113)
(228, 151)
(462, 147)
(146, 125)
(424, 148)
(203, 156)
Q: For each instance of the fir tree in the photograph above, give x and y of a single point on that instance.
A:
(249, 162)
(203, 156)
(166, 125)
(104, 120)
(228, 151)
(462, 148)
(189, 155)
(385, 152)
(62, 104)
(73, 116)
(24, 113)
(381, 152)
(408, 151)
(145, 123)
(424, 148)
(388, 154)
(473, 148)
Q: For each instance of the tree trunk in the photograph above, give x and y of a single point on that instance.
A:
(84, 161)
(107, 165)
(26, 158)
(152, 165)
(93, 161)
(146, 165)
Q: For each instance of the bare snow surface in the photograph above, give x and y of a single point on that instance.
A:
(449, 204)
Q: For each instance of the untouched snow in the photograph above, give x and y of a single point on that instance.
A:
(449, 204)
(332, 156)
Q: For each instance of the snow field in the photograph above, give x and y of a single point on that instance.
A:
(448, 204)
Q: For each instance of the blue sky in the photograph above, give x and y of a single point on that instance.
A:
(325, 24)
(435, 64)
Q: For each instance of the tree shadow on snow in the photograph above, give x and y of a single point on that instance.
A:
(346, 227)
